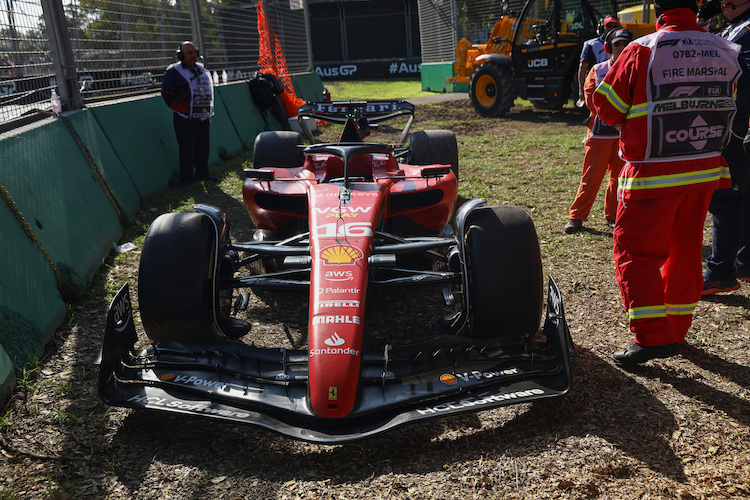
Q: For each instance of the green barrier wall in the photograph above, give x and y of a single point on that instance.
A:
(30, 305)
(106, 159)
(141, 134)
(50, 180)
(245, 116)
(7, 376)
(434, 76)
(225, 142)
(55, 189)
(308, 86)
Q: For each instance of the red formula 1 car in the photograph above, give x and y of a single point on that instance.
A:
(340, 220)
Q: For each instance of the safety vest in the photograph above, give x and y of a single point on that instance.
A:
(599, 129)
(201, 92)
(690, 95)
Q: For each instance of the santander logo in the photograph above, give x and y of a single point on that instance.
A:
(334, 340)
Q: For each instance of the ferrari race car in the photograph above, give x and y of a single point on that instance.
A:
(341, 221)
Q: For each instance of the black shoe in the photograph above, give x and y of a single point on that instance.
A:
(573, 226)
(611, 223)
(743, 273)
(637, 354)
(718, 286)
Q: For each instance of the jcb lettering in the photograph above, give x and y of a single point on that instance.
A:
(538, 63)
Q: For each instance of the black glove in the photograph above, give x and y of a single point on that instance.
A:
(709, 9)
(746, 143)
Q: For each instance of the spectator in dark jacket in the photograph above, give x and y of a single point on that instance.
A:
(188, 89)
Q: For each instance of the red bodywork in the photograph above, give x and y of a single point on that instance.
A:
(342, 224)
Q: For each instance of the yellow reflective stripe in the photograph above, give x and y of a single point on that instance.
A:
(725, 174)
(638, 110)
(605, 89)
(681, 309)
(647, 312)
(679, 179)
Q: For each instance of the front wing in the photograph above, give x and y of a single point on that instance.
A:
(268, 387)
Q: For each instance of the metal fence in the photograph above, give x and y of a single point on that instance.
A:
(104, 49)
(442, 23)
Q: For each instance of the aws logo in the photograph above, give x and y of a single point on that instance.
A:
(339, 275)
(338, 255)
(697, 134)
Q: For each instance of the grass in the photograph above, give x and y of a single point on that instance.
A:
(375, 89)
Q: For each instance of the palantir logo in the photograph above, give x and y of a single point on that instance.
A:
(334, 340)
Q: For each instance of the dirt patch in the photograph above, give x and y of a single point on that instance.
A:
(677, 428)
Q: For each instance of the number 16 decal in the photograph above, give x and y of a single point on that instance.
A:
(352, 229)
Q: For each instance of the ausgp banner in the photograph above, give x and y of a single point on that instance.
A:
(359, 70)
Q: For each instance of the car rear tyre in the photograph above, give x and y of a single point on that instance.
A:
(277, 149)
(177, 278)
(429, 147)
(492, 90)
(504, 265)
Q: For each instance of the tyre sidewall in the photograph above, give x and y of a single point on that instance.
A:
(505, 283)
(177, 278)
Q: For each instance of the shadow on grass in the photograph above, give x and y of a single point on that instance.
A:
(604, 402)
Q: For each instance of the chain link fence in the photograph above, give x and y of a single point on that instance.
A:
(442, 23)
(119, 48)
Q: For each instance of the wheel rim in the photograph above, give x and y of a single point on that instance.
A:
(486, 90)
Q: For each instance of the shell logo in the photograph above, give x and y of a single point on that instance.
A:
(166, 376)
(448, 379)
(339, 254)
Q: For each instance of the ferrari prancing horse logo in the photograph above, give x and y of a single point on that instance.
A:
(333, 393)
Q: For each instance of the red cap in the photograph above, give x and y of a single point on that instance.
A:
(610, 20)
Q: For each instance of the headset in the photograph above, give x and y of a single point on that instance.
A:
(180, 55)
(622, 32)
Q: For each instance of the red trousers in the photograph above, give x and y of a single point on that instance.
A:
(657, 250)
(599, 155)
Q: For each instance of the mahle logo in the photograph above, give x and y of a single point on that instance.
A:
(697, 134)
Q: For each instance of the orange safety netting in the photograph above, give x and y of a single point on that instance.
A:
(271, 60)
